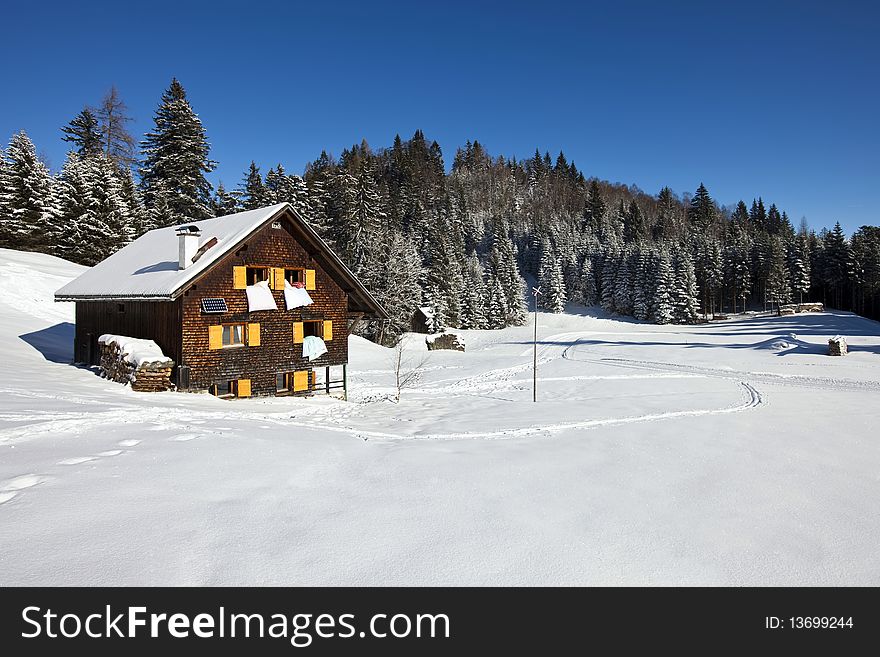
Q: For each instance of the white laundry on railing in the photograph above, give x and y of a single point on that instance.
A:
(313, 347)
(260, 297)
(295, 297)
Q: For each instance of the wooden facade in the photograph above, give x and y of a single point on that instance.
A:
(269, 357)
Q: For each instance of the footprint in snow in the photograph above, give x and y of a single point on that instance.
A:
(10, 488)
(22, 482)
(184, 437)
(131, 442)
(111, 452)
(77, 460)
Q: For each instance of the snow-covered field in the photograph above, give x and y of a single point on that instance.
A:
(733, 453)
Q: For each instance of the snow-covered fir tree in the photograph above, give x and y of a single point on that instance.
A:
(799, 266)
(642, 284)
(26, 198)
(496, 305)
(684, 293)
(588, 282)
(550, 279)
(778, 290)
(473, 309)
(663, 308)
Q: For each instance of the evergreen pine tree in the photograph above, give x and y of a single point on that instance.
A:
(608, 278)
(663, 306)
(176, 160)
(73, 202)
(642, 292)
(224, 202)
(799, 266)
(496, 305)
(684, 292)
(623, 284)
(702, 211)
(594, 210)
(84, 133)
(550, 279)
(472, 304)
(778, 290)
(253, 192)
(588, 282)
(27, 220)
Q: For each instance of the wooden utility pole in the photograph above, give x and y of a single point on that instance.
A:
(535, 291)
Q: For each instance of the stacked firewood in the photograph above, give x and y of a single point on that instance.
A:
(150, 376)
(808, 307)
(837, 346)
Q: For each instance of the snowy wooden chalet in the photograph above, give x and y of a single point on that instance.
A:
(243, 304)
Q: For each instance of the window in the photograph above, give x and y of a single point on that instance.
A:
(233, 335)
(295, 275)
(315, 328)
(225, 389)
(257, 274)
(282, 381)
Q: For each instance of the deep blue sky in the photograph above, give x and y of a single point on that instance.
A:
(778, 99)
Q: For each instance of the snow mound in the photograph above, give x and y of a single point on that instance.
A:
(783, 343)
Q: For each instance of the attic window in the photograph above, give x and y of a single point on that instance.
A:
(257, 274)
(276, 225)
(214, 306)
(295, 275)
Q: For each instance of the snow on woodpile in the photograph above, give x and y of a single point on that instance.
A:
(136, 361)
(837, 346)
(444, 341)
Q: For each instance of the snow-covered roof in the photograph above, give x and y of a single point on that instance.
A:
(148, 267)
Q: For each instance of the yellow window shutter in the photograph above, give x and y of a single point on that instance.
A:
(328, 329)
(310, 279)
(297, 332)
(253, 335)
(244, 387)
(239, 278)
(277, 278)
(215, 337)
(301, 380)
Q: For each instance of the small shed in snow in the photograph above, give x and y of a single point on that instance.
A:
(252, 303)
(422, 320)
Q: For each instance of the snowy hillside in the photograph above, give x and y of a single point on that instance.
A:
(731, 453)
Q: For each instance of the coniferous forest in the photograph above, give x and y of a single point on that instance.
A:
(463, 242)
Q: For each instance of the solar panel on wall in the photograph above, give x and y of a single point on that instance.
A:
(214, 306)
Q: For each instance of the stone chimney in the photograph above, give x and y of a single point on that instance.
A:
(188, 245)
